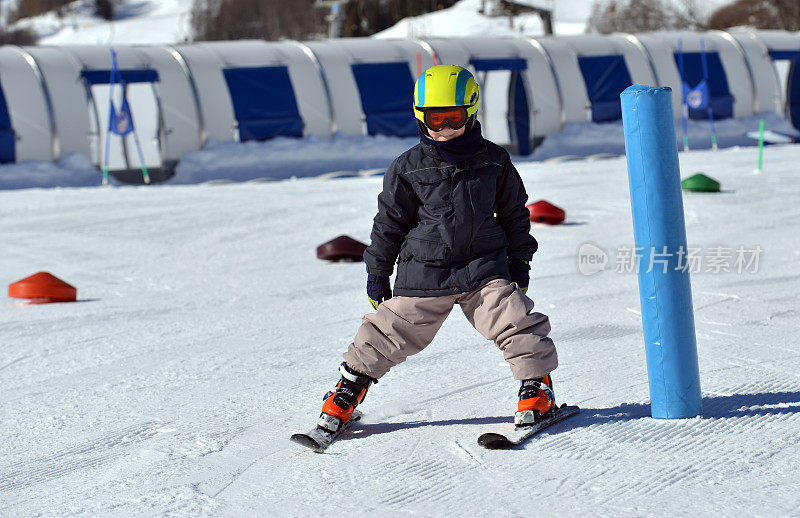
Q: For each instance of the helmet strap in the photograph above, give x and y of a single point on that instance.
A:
(470, 125)
(423, 128)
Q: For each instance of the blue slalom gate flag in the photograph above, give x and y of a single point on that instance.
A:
(120, 122)
(697, 98)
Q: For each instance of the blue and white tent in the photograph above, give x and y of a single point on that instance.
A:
(371, 83)
(54, 100)
(256, 90)
(733, 92)
(781, 50)
(762, 73)
(77, 84)
(593, 70)
(26, 124)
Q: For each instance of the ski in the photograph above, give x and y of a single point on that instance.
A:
(318, 439)
(498, 441)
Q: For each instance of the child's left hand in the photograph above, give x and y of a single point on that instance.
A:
(519, 272)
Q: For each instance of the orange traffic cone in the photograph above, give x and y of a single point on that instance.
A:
(42, 288)
(545, 212)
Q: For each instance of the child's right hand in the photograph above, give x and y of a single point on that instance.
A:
(378, 290)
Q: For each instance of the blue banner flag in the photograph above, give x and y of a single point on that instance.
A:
(120, 122)
(697, 98)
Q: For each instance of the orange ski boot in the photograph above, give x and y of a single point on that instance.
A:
(536, 400)
(343, 400)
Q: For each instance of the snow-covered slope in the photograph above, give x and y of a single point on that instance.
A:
(168, 21)
(208, 331)
(136, 21)
(463, 19)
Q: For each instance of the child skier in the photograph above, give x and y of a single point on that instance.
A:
(452, 215)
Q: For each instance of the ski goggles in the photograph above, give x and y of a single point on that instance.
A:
(437, 118)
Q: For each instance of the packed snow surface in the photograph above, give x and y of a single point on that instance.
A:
(207, 332)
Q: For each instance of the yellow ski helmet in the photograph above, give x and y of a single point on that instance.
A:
(443, 86)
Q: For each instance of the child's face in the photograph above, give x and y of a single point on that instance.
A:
(447, 133)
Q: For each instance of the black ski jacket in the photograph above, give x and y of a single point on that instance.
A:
(450, 228)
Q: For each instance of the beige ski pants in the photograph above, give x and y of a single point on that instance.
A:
(403, 326)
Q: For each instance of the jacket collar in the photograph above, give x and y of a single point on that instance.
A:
(429, 147)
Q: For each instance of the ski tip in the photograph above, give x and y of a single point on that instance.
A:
(497, 441)
(305, 440)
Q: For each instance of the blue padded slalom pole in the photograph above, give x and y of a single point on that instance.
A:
(660, 233)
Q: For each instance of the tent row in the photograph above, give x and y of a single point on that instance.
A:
(54, 100)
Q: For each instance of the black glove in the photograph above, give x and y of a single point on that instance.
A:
(520, 272)
(378, 290)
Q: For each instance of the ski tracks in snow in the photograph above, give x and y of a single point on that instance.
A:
(618, 457)
(99, 451)
(432, 474)
(674, 461)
